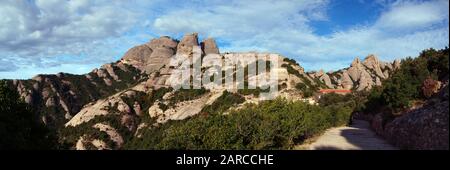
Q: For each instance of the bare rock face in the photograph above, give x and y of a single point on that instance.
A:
(372, 63)
(38, 78)
(209, 46)
(424, 128)
(101, 73)
(155, 111)
(36, 87)
(430, 87)
(151, 56)
(356, 62)
(365, 82)
(110, 70)
(361, 75)
(325, 78)
(159, 58)
(112, 133)
(108, 81)
(354, 70)
(346, 81)
(99, 144)
(377, 81)
(80, 144)
(29, 99)
(123, 107)
(386, 73)
(139, 53)
(164, 42)
(128, 121)
(64, 105)
(186, 44)
(396, 64)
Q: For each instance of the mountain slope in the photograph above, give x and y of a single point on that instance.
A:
(360, 75)
(119, 100)
(56, 98)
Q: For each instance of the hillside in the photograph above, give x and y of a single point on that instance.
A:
(132, 103)
(154, 102)
(411, 108)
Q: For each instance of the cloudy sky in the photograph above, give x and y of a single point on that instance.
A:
(75, 36)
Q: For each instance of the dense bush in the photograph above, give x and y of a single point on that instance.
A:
(187, 94)
(223, 103)
(307, 92)
(276, 124)
(333, 99)
(290, 61)
(403, 87)
(19, 127)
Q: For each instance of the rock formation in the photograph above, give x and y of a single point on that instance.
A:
(186, 44)
(360, 75)
(62, 96)
(151, 56)
(129, 92)
(209, 46)
(422, 128)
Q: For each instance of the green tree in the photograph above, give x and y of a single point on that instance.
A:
(19, 128)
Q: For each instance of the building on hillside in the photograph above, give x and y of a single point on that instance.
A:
(337, 91)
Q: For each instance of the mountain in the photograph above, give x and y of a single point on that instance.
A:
(359, 76)
(57, 98)
(100, 109)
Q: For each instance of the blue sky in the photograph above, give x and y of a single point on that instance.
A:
(76, 36)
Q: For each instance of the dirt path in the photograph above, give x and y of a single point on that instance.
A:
(358, 136)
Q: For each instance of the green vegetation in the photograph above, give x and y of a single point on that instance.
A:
(19, 127)
(403, 87)
(290, 61)
(70, 135)
(291, 70)
(306, 87)
(255, 92)
(187, 94)
(223, 103)
(307, 92)
(276, 124)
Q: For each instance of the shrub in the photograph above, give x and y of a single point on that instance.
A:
(307, 92)
(403, 87)
(276, 124)
(223, 103)
(19, 127)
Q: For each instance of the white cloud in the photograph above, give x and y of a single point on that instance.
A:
(239, 19)
(77, 33)
(414, 15)
(48, 29)
(403, 29)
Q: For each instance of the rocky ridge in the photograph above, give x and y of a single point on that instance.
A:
(135, 92)
(153, 101)
(57, 98)
(359, 76)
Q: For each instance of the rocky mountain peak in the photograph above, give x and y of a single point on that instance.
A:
(356, 62)
(371, 61)
(162, 42)
(186, 43)
(396, 64)
(362, 75)
(209, 46)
